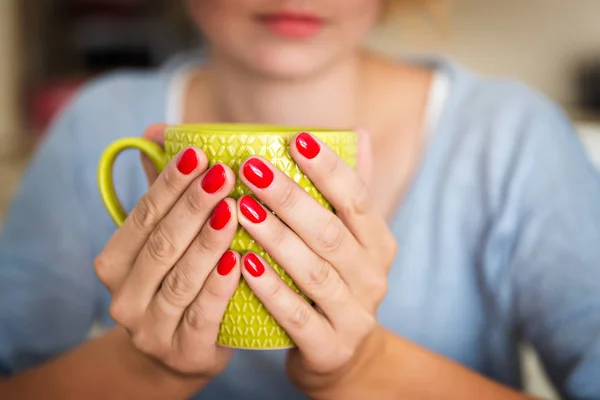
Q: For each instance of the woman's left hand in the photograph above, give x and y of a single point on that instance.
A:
(340, 260)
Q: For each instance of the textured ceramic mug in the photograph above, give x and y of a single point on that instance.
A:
(246, 323)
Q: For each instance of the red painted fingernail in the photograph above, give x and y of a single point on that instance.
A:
(307, 145)
(214, 179)
(252, 210)
(187, 162)
(220, 216)
(226, 263)
(253, 265)
(258, 173)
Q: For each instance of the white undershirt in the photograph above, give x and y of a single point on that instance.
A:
(176, 95)
(438, 94)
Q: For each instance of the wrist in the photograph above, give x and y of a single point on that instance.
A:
(390, 367)
(361, 373)
(156, 375)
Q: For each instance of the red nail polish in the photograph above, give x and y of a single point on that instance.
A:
(252, 210)
(187, 162)
(214, 179)
(258, 173)
(220, 216)
(307, 145)
(226, 263)
(253, 265)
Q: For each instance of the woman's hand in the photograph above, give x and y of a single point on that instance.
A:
(340, 261)
(168, 268)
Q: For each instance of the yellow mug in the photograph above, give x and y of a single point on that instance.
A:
(246, 323)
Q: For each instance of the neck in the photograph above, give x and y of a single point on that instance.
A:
(328, 98)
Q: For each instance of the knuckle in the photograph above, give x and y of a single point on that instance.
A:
(358, 202)
(213, 290)
(196, 316)
(193, 201)
(277, 291)
(160, 245)
(381, 289)
(389, 247)
(145, 213)
(378, 283)
(333, 165)
(274, 291)
(120, 313)
(331, 235)
(178, 287)
(278, 233)
(361, 199)
(338, 292)
(169, 178)
(289, 197)
(319, 274)
(208, 243)
(102, 268)
(378, 289)
(300, 316)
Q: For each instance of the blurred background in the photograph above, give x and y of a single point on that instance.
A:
(49, 48)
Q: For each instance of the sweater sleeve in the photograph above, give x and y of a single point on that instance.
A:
(47, 289)
(554, 196)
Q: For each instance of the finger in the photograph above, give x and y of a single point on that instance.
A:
(185, 280)
(307, 328)
(199, 326)
(319, 228)
(149, 169)
(122, 249)
(364, 158)
(341, 186)
(315, 277)
(172, 237)
(155, 133)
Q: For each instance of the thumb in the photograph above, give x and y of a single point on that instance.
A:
(156, 134)
(364, 156)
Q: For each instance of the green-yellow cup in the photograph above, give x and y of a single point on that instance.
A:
(246, 324)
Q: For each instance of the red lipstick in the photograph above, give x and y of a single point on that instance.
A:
(293, 24)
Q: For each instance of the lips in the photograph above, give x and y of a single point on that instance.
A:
(293, 24)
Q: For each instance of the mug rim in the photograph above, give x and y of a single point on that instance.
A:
(265, 129)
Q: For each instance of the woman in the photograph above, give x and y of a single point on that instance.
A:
(488, 198)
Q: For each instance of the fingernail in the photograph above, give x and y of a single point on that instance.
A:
(226, 263)
(252, 210)
(187, 162)
(307, 145)
(258, 173)
(253, 265)
(220, 216)
(214, 179)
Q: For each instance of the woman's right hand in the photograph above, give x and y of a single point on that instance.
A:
(168, 268)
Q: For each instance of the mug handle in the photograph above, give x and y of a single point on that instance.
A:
(105, 171)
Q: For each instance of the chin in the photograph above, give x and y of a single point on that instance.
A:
(289, 63)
